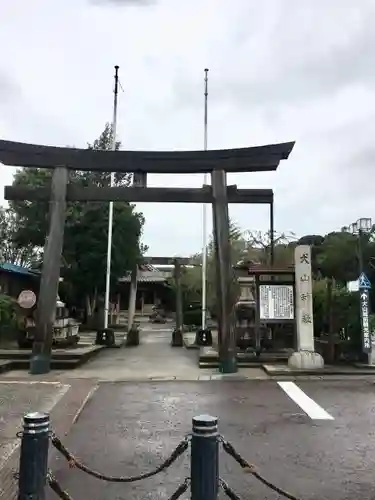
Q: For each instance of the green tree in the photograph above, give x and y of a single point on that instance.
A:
(245, 246)
(11, 251)
(86, 229)
(338, 257)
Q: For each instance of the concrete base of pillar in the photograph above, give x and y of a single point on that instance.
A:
(306, 360)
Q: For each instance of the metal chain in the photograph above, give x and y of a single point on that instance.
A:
(228, 490)
(247, 467)
(55, 486)
(180, 490)
(63, 495)
(74, 462)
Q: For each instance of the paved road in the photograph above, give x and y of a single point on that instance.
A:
(313, 438)
(17, 397)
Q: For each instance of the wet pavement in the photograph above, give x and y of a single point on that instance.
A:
(16, 399)
(61, 400)
(153, 358)
(315, 439)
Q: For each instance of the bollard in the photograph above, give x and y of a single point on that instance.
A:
(33, 466)
(204, 458)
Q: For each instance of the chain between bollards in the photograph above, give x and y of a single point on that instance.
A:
(250, 468)
(55, 487)
(74, 462)
(33, 475)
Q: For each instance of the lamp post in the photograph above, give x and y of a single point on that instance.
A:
(359, 228)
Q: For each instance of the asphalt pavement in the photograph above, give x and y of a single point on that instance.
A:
(313, 438)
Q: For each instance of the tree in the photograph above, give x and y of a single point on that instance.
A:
(86, 229)
(337, 257)
(12, 251)
(245, 246)
(259, 248)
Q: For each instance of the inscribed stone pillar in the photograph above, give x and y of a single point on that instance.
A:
(305, 357)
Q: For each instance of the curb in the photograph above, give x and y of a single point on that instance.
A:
(326, 372)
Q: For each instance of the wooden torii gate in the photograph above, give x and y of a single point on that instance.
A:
(215, 162)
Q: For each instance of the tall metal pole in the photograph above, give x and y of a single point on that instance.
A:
(360, 251)
(204, 215)
(110, 213)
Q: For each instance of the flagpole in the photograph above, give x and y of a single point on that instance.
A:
(204, 214)
(110, 212)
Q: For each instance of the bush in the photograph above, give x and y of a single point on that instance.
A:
(345, 315)
(8, 317)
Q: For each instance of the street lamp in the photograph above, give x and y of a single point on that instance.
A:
(360, 227)
(363, 225)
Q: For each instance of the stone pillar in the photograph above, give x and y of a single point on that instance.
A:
(305, 357)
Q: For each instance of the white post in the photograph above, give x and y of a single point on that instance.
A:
(204, 215)
(110, 212)
(305, 357)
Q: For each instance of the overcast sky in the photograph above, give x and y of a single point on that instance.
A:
(280, 70)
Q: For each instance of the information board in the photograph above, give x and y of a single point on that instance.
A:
(276, 302)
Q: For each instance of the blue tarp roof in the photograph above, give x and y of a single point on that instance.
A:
(13, 268)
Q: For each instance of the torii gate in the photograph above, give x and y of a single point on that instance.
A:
(216, 162)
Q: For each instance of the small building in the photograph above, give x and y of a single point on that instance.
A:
(14, 279)
(153, 288)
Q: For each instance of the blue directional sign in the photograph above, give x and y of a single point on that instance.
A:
(364, 282)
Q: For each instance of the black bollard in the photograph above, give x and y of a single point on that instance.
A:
(34, 457)
(204, 458)
(177, 338)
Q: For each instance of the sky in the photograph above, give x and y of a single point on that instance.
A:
(279, 70)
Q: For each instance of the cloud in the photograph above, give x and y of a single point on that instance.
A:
(124, 3)
(275, 58)
(9, 88)
(279, 70)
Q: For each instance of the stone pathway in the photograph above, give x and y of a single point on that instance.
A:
(153, 359)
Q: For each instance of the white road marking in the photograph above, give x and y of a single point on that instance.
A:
(84, 403)
(308, 405)
(29, 382)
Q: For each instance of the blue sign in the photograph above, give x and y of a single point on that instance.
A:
(364, 282)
